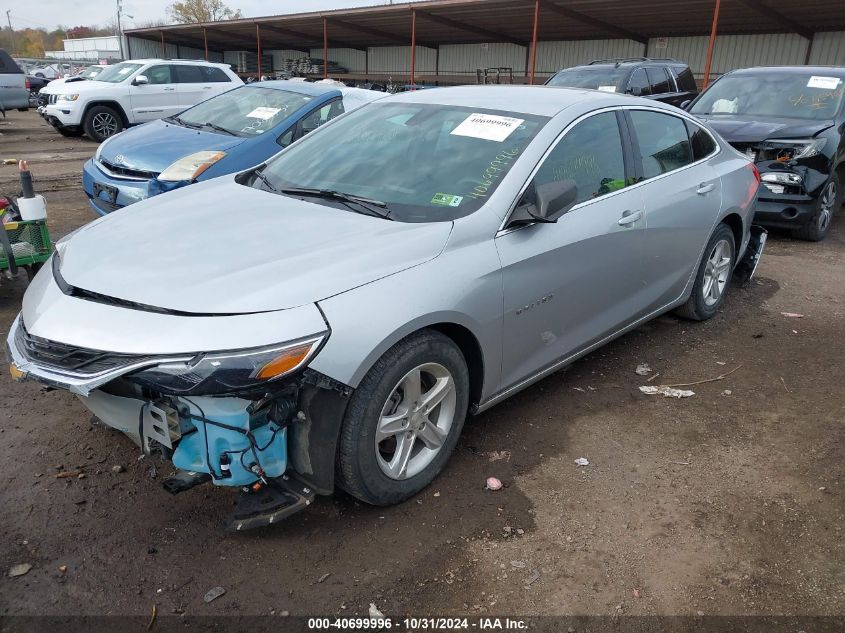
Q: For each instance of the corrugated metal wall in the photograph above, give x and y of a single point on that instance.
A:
(552, 56)
(828, 48)
(734, 51)
(464, 59)
(397, 59)
(352, 60)
(279, 56)
(147, 49)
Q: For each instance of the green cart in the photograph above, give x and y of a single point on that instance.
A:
(24, 244)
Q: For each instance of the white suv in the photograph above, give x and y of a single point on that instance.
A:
(132, 92)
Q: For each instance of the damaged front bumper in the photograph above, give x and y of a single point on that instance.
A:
(789, 188)
(276, 445)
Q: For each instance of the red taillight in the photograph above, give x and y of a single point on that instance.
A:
(755, 171)
(26, 83)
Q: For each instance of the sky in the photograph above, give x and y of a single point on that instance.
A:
(68, 13)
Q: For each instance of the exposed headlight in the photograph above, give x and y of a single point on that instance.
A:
(782, 178)
(67, 97)
(190, 167)
(795, 148)
(230, 372)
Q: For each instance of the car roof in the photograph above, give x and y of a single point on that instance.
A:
(152, 60)
(301, 87)
(537, 100)
(836, 71)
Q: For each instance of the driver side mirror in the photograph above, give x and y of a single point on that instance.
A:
(140, 80)
(552, 200)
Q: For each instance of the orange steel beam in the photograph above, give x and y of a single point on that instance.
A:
(711, 44)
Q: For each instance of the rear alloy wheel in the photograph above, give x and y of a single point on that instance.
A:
(404, 420)
(101, 122)
(829, 202)
(713, 276)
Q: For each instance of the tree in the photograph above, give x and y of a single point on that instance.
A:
(188, 11)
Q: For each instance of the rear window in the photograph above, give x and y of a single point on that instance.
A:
(686, 82)
(213, 74)
(702, 143)
(7, 64)
(605, 78)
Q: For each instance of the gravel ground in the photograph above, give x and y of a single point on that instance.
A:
(729, 502)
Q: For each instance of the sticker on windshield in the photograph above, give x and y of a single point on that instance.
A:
(827, 83)
(446, 200)
(263, 113)
(487, 126)
(607, 88)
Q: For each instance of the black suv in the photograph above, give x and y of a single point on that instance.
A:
(662, 79)
(790, 120)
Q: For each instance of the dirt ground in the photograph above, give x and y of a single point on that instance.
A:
(725, 503)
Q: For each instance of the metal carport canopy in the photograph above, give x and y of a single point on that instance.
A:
(482, 21)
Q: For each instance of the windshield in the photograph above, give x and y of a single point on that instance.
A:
(605, 78)
(93, 71)
(799, 96)
(246, 111)
(427, 163)
(117, 73)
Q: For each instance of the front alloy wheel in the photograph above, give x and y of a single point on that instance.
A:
(827, 205)
(415, 421)
(404, 419)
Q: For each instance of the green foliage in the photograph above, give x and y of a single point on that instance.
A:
(190, 11)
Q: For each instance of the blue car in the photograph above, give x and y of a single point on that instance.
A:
(227, 133)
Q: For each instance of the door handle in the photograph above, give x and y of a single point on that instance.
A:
(206, 87)
(169, 89)
(705, 188)
(629, 217)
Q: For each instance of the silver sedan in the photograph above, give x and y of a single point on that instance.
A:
(333, 315)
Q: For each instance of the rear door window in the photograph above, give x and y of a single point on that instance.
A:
(663, 141)
(188, 74)
(638, 84)
(658, 79)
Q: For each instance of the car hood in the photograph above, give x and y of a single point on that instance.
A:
(156, 145)
(222, 248)
(78, 87)
(754, 129)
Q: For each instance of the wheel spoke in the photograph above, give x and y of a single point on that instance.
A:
(398, 465)
(708, 285)
(434, 396)
(390, 425)
(715, 293)
(432, 435)
(412, 387)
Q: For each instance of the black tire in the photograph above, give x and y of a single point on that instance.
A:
(697, 307)
(101, 122)
(827, 205)
(359, 472)
(69, 132)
